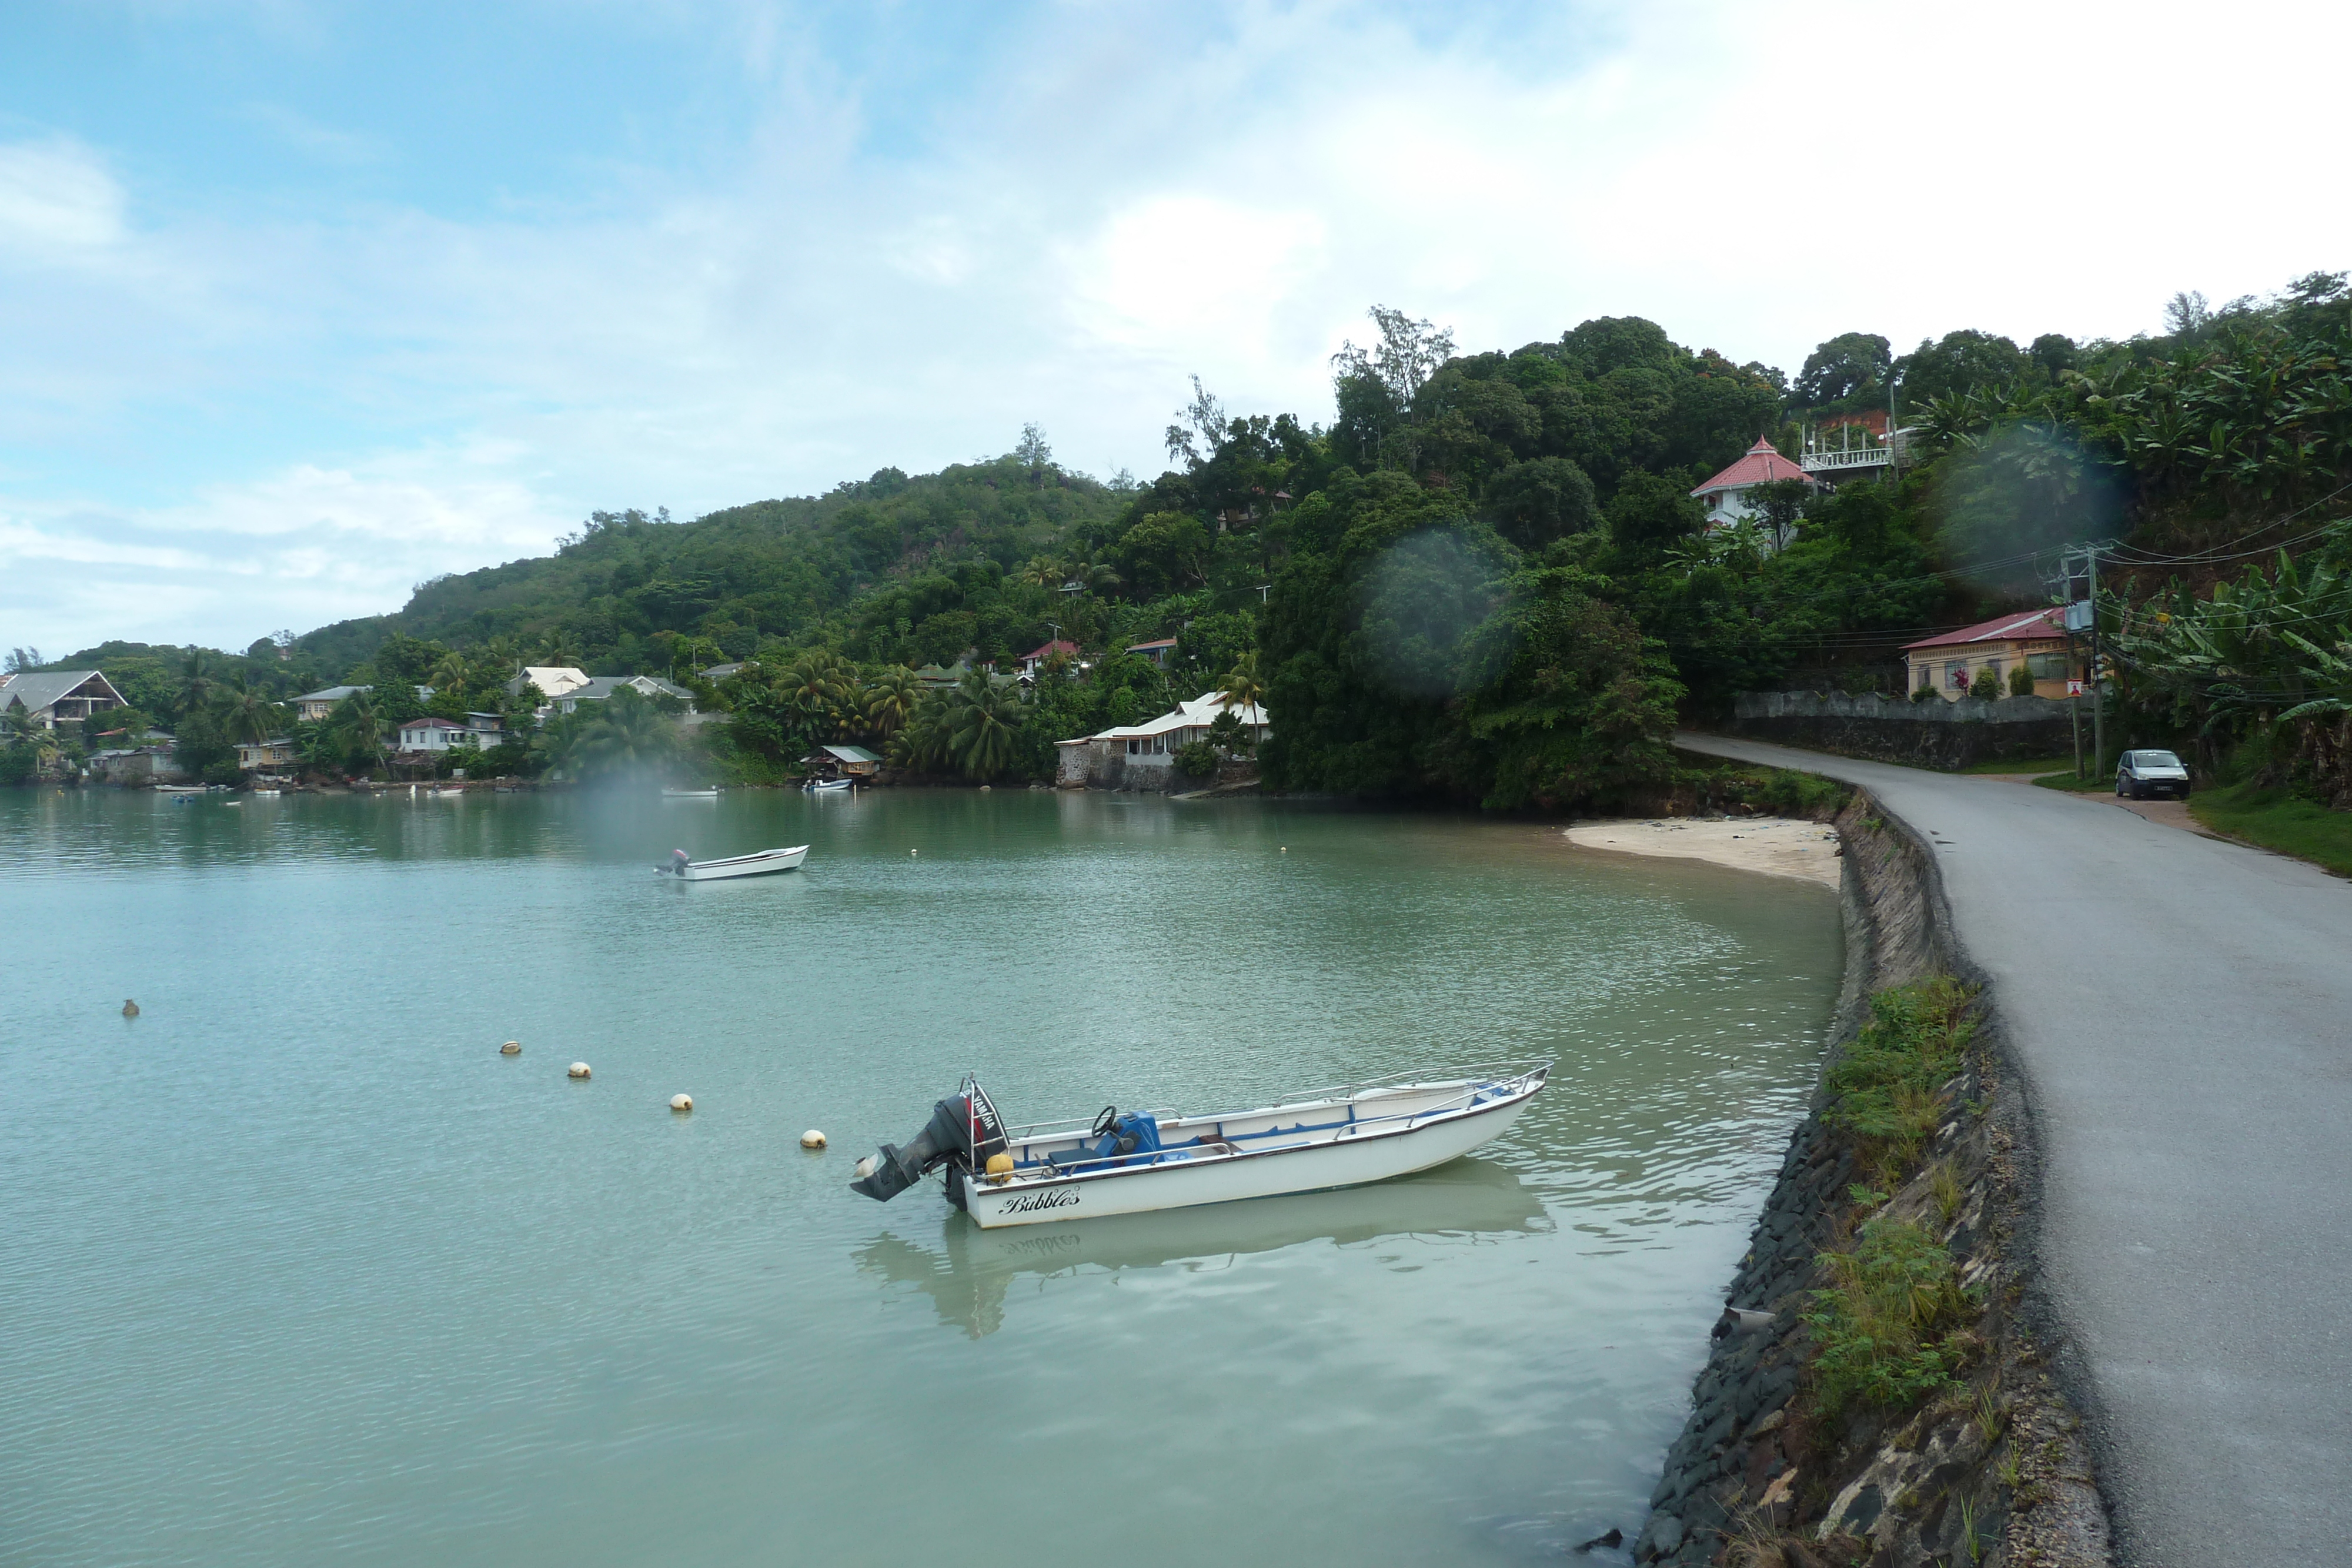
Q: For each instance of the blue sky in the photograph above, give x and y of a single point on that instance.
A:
(301, 303)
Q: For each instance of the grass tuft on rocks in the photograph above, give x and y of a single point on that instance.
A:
(1884, 1331)
(1884, 1090)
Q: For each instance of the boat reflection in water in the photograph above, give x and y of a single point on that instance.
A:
(970, 1270)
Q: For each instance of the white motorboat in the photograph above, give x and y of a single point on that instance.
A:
(826, 785)
(1135, 1161)
(761, 863)
(179, 788)
(690, 794)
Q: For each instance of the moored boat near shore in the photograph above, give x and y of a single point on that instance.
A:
(762, 863)
(1137, 1161)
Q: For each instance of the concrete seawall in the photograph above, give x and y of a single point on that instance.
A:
(1993, 1471)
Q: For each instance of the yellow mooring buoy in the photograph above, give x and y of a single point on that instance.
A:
(511, 1047)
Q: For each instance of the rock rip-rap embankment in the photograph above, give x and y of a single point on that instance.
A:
(1805, 1447)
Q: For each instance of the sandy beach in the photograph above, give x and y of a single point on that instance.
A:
(1777, 846)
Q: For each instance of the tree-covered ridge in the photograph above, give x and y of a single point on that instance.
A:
(618, 592)
(1488, 580)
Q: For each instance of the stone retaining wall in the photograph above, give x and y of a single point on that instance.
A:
(1997, 1473)
(1934, 733)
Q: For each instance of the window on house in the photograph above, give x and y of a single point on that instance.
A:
(2046, 666)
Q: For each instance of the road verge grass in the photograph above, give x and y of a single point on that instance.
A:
(2279, 821)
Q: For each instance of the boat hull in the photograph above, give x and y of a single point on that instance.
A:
(766, 864)
(1202, 1178)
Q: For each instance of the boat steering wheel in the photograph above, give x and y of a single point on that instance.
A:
(1105, 1122)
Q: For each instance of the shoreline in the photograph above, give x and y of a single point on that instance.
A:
(1791, 847)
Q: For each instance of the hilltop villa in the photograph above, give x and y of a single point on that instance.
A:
(52, 695)
(1725, 495)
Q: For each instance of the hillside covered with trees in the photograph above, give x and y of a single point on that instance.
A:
(1485, 580)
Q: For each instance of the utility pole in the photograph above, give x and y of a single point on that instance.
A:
(2082, 591)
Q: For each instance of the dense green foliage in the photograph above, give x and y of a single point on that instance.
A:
(1883, 1330)
(1884, 1088)
(1488, 580)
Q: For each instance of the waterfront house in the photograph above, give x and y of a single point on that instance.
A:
(2035, 638)
(312, 706)
(155, 763)
(52, 695)
(598, 688)
(843, 761)
(476, 729)
(1131, 753)
(1725, 496)
(258, 754)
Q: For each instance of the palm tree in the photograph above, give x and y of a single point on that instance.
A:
(811, 688)
(892, 699)
(983, 720)
(449, 675)
(198, 684)
(248, 713)
(1240, 687)
(358, 723)
(628, 734)
(561, 649)
(23, 729)
(921, 744)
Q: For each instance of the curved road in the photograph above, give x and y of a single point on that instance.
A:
(2182, 1009)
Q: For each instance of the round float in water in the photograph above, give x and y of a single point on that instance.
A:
(511, 1047)
(681, 1102)
(811, 1139)
(579, 1070)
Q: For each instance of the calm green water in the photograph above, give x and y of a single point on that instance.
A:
(296, 1266)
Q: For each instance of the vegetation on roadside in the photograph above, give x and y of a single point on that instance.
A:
(1885, 1089)
(2278, 819)
(1887, 1329)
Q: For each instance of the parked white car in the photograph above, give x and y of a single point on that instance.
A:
(2143, 774)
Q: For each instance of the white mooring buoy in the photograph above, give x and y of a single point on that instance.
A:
(579, 1070)
(681, 1102)
(811, 1139)
(511, 1047)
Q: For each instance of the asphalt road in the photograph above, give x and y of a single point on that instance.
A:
(2182, 1007)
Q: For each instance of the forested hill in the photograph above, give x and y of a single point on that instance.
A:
(615, 596)
(1487, 579)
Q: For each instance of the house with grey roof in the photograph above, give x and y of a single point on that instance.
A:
(312, 706)
(52, 695)
(598, 688)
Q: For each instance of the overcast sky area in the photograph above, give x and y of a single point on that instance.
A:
(301, 303)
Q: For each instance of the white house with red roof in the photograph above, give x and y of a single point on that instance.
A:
(1725, 495)
(2035, 638)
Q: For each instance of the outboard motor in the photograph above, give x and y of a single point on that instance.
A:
(962, 1133)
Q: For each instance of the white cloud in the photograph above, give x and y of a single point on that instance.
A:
(57, 199)
(380, 394)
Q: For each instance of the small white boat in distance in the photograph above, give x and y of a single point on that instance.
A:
(761, 863)
(825, 786)
(690, 794)
(1133, 1161)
